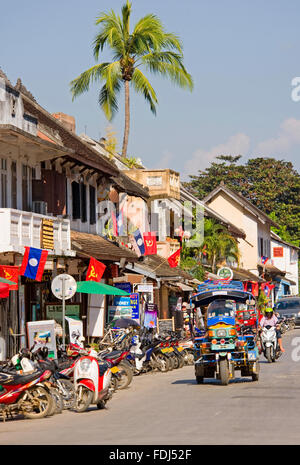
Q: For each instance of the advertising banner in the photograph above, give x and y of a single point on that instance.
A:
(42, 334)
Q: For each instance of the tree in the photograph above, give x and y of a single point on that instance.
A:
(271, 185)
(217, 245)
(148, 46)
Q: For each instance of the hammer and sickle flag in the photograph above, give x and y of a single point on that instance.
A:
(150, 243)
(95, 270)
(174, 258)
(11, 273)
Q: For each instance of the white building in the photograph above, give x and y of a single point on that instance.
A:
(285, 257)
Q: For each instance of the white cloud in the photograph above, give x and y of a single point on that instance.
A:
(287, 137)
(237, 144)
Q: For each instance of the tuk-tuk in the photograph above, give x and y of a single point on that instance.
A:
(223, 350)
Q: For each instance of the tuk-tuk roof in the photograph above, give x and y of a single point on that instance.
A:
(216, 289)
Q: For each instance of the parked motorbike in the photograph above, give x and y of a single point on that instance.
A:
(122, 372)
(92, 381)
(28, 394)
(269, 343)
(148, 357)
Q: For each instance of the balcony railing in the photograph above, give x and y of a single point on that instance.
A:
(19, 229)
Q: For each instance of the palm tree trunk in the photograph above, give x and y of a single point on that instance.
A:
(127, 120)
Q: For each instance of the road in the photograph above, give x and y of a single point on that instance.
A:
(170, 408)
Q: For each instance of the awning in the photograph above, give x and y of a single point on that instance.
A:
(185, 287)
(245, 275)
(96, 246)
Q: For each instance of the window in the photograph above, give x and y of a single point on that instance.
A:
(75, 200)
(13, 184)
(83, 202)
(25, 193)
(92, 205)
(3, 171)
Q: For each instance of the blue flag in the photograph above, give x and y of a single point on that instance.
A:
(139, 241)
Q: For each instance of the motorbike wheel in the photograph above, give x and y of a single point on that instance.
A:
(163, 363)
(67, 391)
(181, 361)
(255, 376)
(57, 401)
(176, 361)
(224, 372)
(126, 376)
(101, 405)
(269, 354)
(84, 398)
(42, 403)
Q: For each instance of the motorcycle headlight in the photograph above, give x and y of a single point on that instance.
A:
(85, 364)
(221, 333)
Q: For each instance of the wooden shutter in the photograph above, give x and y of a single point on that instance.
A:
(75, 200)
(92, 205)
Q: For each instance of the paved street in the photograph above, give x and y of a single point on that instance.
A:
(171, 408)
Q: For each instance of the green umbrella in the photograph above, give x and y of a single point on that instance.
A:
(93, 287)
(6, 281)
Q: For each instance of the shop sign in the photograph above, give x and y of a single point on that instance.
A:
(127, 305)
(124, 286)
(278, 252)
(145, 287)
(47, 234)
(225, 273)
(165, 326)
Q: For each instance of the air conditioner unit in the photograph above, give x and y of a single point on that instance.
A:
(39, 207)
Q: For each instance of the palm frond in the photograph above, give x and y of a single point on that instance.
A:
(111, 33)
(82, 82)
(169, 64)
(142, 85)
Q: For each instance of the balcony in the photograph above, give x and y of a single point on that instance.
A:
(19, 229)
(161, 183)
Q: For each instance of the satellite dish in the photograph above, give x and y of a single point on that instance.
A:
(63, 282)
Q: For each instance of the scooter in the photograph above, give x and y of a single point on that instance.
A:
(269, 343)
(92, 381)
(147, 358)
(28, 394)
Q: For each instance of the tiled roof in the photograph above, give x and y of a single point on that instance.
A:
(96, 246)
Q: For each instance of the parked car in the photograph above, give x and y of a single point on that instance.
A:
(289, 307)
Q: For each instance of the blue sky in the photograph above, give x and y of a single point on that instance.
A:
(242, 55)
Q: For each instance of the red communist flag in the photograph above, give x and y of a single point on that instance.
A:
(11, 273)
(174, 258)
(150, 243)
(95, 270)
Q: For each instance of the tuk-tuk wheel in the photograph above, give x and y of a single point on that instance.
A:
(200, 379)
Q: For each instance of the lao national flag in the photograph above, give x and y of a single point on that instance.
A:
(264, 260)
(33, 263)
(139, 241)
(150, 243)
(95, 270)
(174, 259)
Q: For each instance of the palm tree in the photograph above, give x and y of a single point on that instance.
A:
(148, 46)
(218, 244)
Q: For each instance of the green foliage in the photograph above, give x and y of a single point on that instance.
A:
(271, 185)
(131, 162)
(147, 46)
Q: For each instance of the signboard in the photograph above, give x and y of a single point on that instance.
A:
(225, 273)
(96, 307)
(278, 252)
(219, 285)
(150, 317)
(165, 326)
(75, 330)
(145, 287)
(54, 311)
(128, 305)
(124, 286)
(42, 334)
(47, 236)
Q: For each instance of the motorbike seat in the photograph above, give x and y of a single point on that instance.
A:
(112, 355)
(10, 378)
